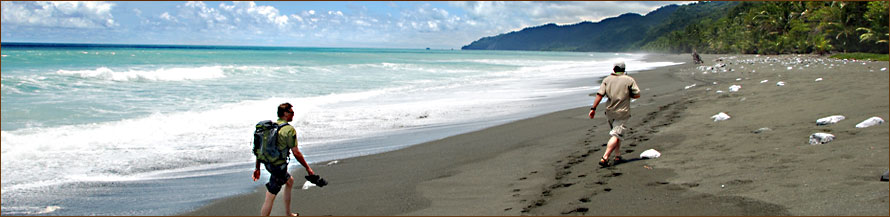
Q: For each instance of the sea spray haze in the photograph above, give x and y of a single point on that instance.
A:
(109, 125)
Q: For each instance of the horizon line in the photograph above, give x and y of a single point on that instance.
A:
(147, 45)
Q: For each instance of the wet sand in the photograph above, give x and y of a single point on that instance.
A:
(547, 165)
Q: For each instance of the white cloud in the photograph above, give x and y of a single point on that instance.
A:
(425, 19)
(166, 16)
(362, 23)
(58, 14)
(335, 13)
(245, 17)
(297, 17)
(250, 13)
(196, 15)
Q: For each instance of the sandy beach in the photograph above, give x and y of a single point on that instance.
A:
(547, 165)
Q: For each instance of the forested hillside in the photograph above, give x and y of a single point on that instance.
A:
(717, 27)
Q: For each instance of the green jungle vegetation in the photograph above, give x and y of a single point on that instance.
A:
(769, 27)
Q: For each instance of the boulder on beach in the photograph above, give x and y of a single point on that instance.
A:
(720, 117)
(870, 122)
(651, 153)
(307, 185)
(761, 130)
(830, 120)
(820, 138)
(734, 88)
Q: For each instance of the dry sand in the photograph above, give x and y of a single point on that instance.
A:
(547, 165)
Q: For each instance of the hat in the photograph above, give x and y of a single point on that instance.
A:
(619, 64)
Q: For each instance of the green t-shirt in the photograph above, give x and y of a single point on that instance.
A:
(287, 139)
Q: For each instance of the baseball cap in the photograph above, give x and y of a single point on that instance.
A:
(620, 64)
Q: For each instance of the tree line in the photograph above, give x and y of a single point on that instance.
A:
(775, 27)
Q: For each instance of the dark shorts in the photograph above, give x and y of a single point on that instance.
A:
(279, 177)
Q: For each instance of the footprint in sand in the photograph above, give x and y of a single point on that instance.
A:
(612, 175)
(574, 210)
(690, 185)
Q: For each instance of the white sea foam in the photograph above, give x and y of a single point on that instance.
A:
(164, 74)
(133, 146)
(186, 143)
(29, 210)
(8, 89)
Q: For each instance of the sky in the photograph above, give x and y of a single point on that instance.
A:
(377, 24)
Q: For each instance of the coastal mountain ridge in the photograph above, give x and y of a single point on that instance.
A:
(610, 34)
(760, 27)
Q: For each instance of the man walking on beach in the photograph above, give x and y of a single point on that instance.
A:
(619, 88)
(287, 138)
(696, 58)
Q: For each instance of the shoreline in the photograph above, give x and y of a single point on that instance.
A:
(546, 165)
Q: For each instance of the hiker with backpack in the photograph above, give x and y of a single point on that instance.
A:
(272, 140)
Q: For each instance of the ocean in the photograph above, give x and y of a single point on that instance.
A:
(159, 130)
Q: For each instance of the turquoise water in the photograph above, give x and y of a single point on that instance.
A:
(86, 115)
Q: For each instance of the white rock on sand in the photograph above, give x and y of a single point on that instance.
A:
(820, 138)
(762, 130)
(720, 117)
(830, 120)
(308, 185)
(870, 122)
(781, 83)
(734, 88)
(651, 153)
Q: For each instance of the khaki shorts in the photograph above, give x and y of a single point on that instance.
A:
(617, 128)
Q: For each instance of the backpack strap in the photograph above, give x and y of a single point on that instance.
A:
(286, 152)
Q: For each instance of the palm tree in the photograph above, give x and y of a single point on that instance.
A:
(871, 35)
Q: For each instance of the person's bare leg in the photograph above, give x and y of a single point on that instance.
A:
(617, 149)
(287, 190)
(267, 205)
(612, 146)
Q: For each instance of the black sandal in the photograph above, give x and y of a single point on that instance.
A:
(619, 159)
(604, 162)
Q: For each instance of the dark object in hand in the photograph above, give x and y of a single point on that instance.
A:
(317, 180)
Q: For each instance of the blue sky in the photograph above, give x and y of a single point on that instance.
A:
(395, 24)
